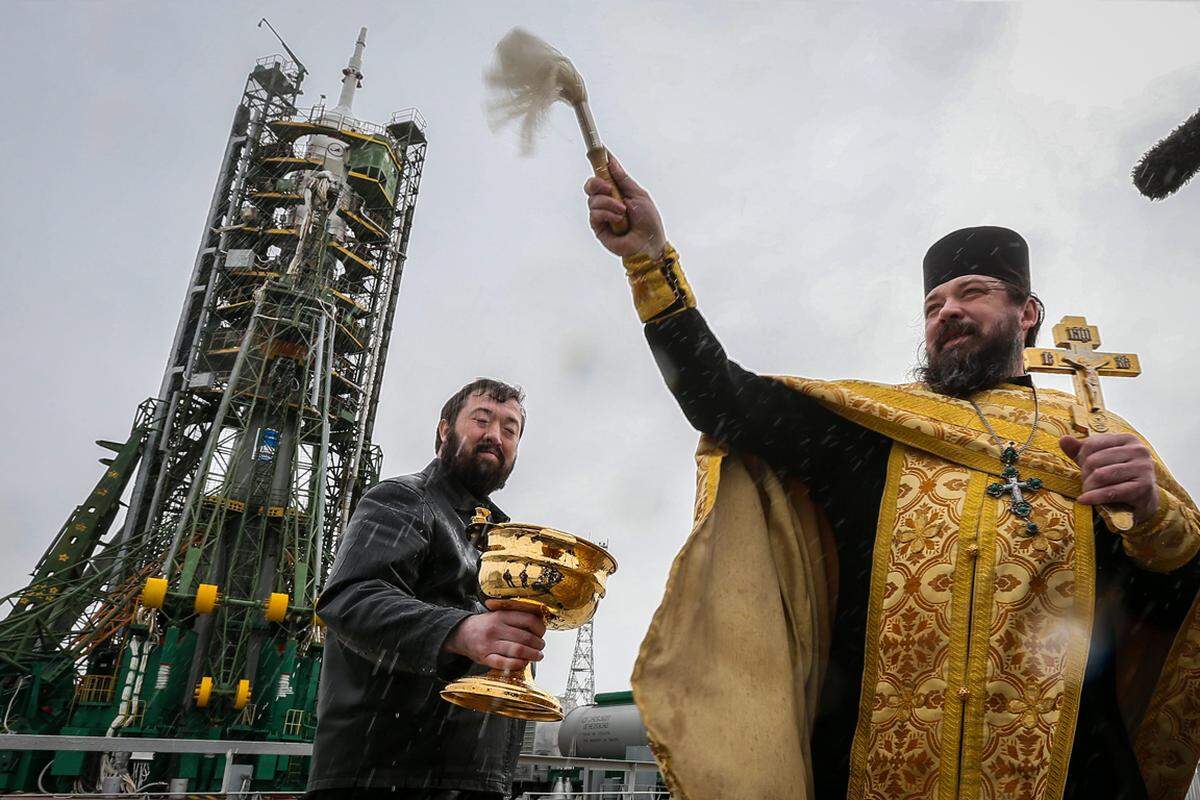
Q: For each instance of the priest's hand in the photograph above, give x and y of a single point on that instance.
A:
(1115, 468)
(501, 637)
(645, 235)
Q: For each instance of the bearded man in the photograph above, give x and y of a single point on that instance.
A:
(403, 617)
(865, 610)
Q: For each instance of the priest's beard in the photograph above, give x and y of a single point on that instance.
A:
(476, 473)
(974, 365)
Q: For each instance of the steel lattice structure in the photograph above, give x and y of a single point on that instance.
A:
(581, 683)
(197, 617)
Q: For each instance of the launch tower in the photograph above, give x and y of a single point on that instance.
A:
(193, 619)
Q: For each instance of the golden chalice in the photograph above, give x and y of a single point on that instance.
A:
(546, 572)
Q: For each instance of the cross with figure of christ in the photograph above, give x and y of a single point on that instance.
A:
(1075, 354)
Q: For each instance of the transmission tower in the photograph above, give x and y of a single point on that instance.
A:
(581, 683)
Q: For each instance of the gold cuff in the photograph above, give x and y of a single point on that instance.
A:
(1166, 541)
(1154, 525)
(659, 286)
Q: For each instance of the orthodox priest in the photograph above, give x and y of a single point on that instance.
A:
(864, 609)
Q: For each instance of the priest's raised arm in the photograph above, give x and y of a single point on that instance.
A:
(749, 413)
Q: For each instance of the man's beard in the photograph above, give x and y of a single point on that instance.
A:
(471, 468)
(972, 366)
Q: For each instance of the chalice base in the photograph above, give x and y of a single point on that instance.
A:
(509, 694)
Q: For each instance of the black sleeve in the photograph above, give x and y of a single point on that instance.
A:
(369, 600)
(750, 412)
(1162, 599)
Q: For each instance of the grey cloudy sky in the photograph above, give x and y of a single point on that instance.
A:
(804, 156)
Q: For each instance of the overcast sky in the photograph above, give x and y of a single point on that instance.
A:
(803, 156)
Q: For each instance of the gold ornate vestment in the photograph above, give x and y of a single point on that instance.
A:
(977, 634)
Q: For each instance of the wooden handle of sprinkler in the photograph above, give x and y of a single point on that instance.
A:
(599, 159)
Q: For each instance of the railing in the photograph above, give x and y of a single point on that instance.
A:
(95, 689)
(226, 339)
(285, 64)
(326, 117)
(232, 748)
(321, 115)
(408, 115)
(294, 722)
(611, 794)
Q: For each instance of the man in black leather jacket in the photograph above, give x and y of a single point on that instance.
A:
(403, 616)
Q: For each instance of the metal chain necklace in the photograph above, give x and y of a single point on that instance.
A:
(1009, 454)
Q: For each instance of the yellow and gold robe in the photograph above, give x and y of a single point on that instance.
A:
(977, 633)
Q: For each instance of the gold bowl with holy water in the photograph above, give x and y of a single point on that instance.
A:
(547, 572)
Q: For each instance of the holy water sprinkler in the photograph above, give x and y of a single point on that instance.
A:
(526, 79)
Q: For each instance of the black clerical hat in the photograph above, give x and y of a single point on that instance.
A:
(985, 250)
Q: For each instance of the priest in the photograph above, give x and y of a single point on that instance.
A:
(866, 609)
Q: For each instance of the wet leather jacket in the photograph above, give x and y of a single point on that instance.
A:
(405, 575)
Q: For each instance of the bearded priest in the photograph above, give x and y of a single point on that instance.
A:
(862, 610)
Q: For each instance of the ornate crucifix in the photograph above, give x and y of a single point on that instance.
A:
(1014, 486)
(1075, 354)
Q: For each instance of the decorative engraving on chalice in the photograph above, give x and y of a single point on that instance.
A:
(548, 572)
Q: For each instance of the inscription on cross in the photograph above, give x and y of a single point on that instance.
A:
(1075, 354)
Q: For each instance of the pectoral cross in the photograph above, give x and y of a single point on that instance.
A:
(1014, 486)
(1075, 354)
